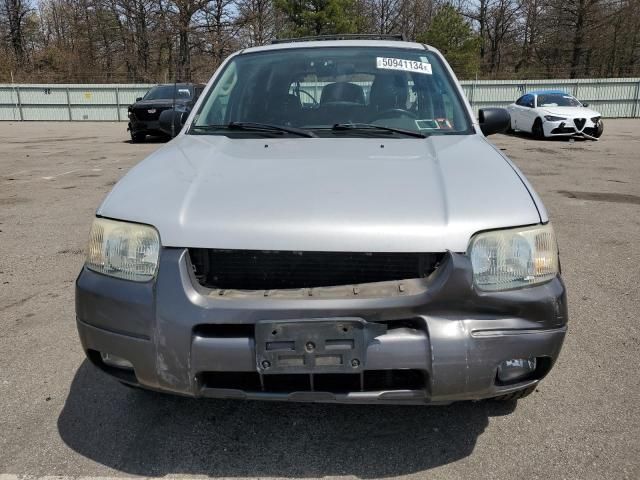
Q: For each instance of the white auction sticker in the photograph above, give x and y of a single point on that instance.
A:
(404, 65)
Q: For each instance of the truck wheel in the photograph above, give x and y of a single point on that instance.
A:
(537, 130)
(525, 392)
(138, 137)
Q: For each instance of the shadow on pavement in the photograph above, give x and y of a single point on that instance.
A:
(145, 433)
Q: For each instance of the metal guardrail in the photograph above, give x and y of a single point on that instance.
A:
(612, 97)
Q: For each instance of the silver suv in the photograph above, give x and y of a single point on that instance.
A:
(330, 225)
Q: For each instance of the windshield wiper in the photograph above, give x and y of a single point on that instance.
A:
(257, 127)
(371, 126)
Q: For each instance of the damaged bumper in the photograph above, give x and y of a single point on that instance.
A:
(434, 340)
(573, 127)
(150, 127)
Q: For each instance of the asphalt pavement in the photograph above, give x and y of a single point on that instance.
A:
(61, 417)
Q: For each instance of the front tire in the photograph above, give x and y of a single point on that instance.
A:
(138, 137)
(538, 130)
(599, 129)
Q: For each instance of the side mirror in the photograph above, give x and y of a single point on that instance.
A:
(138, 99)
(494, 120)
(171, 121)
(585, 105)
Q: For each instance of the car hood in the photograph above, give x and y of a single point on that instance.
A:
(570, 112)
(323, 194)
(161, 102)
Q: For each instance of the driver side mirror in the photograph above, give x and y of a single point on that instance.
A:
(172, 121)
(138, 99)
(585, 105)
(494, 120)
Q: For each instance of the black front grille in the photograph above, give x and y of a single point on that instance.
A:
(148, 113)
(579, 122)
(563, 130)
(368, 381)
(271, 270)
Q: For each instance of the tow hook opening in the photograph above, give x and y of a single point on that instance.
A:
(115, 361)
(115, 366)
(516, 370)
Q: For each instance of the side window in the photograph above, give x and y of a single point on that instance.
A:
(525, 101)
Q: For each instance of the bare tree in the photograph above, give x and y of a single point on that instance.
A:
(14, 13)
(256, 21)
(162, 40)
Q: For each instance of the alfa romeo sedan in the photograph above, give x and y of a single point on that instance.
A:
(554, 113)
(330, 225)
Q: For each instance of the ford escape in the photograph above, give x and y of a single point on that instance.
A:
(330, 225)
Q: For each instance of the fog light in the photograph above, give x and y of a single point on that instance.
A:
(113, 361)
(516, 369)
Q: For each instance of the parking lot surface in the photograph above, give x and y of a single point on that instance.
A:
(59, 416)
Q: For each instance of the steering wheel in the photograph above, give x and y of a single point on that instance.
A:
(394, 112)
(313, 99)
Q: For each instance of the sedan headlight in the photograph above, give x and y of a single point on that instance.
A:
(595, 119)
(553, 118)
(505, 259)
(122, 249)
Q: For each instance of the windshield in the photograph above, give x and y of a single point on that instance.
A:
(166, 91)
(557, 100)
(317, 88)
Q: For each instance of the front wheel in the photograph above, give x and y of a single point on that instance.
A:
(599, 129)
(138, 137)
(538, 130)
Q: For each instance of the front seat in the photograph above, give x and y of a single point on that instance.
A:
(388, 91)
(283, 109)
(342, 92)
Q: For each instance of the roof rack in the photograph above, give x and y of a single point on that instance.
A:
(344, 36)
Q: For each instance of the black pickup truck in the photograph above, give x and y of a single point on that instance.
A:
(144, 114)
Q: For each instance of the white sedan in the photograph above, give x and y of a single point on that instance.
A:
(551, 113)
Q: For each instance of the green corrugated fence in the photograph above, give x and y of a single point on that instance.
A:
(73, 102)
(612, 97)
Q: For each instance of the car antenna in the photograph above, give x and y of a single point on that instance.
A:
(175, 86)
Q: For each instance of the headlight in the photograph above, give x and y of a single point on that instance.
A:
(123, 250)
(553, 118)
(505, 259)
(595, 119)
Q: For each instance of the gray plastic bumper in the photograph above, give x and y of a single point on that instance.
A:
(458, 336)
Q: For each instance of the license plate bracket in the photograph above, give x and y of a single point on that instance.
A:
(337, 345)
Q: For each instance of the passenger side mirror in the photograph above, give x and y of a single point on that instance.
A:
(171, 121)
(585, 105)
(138, 99)
(494, 120)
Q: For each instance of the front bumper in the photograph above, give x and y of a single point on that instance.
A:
(150, 127)
(568, 128)
(178, 335)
